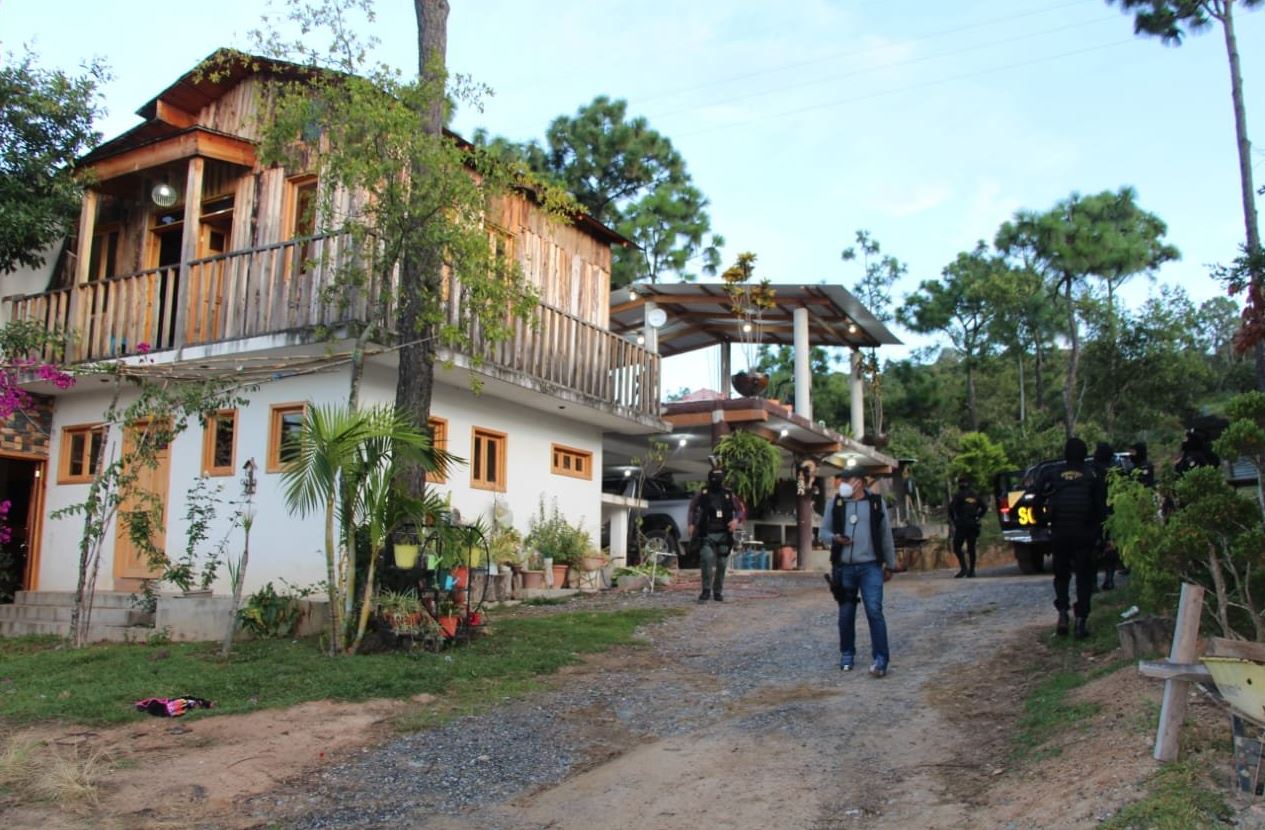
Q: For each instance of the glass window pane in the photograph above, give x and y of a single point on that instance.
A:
(492, 456)
(76, 451)
(93, 461)
(222, 452)
(291, 424)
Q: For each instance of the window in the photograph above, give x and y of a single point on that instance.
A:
(81, 448)
(439, 440)
(487, 469)
(219, 443)
(568, 461)
(283, 430)
(302, 207)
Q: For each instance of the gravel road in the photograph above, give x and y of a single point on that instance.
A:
(734, 716)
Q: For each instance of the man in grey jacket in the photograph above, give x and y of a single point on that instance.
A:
(862, 557)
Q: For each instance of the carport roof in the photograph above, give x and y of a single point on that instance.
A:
(700, 315)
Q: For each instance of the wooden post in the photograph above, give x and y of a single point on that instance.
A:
(188, 245)
(1173, 708)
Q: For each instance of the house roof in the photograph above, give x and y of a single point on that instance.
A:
(170, 114)
(700, 315)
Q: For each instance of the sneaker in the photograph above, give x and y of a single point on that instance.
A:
(845, 663)
(878, 670)
(960, 574)
(718, 597)
(705, 596)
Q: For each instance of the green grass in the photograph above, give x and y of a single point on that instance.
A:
(41, 680)
(1178, 798)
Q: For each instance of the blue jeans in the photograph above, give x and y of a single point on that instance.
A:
(867, 578)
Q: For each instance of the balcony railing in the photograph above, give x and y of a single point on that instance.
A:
(291, 287)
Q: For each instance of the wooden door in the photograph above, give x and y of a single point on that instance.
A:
(131, 561)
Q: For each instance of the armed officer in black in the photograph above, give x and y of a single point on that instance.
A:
(715, 513)
(965, 511)
(1071, 495)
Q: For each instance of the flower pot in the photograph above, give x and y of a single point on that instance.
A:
(592, 563)
(405, 555)
(786, 558)
(449, 625)
(560, 575)
(462, 576)
(459, 596)
(533, 580)
(750, 384)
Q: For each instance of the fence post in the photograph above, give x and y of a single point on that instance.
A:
(1173, 708)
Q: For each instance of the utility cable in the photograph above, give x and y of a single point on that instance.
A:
(912, 87)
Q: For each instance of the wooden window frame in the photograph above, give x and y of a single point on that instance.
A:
(63, 461)
(210, 431)
(439, 440)
(477, 481)
(275, 414)
(294, 185)
(575, 454)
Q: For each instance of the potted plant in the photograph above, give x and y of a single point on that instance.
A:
(448, 618)
(402, 610)
(749, 301)
(554, 537)
(751, 465)
(406, 548)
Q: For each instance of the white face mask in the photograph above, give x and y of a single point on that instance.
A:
(845, 490)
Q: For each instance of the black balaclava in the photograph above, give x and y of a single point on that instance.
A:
(1103, 453)
(716, 481)
(1074, 451)
(1139, 452)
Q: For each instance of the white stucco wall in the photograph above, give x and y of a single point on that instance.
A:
(291, 547)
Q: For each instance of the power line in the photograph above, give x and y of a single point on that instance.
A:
(892, 65)
(897, 90)
(856, 53)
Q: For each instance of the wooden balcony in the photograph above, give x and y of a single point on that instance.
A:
(291, 287)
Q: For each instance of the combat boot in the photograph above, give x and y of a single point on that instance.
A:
(1061, 628)
(1082, 628)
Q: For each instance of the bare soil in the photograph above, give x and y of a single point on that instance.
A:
(765, 731)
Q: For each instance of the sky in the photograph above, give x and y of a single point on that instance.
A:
(926, 123)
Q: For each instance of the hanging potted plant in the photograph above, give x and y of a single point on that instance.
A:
(749, 301)
(751, 464)
(401, 610)
(448, 619)
(405, 547)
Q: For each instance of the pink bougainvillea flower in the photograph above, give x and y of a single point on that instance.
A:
(143, 348)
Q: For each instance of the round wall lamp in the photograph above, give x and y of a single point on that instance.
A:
(656, 318)
(164, 195)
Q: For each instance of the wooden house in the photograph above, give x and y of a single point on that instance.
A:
(191, 257)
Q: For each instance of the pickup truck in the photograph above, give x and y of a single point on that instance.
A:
(1016, 512)
(1014, 492)
(663, 522)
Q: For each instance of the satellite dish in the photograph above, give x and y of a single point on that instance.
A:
(656, 318)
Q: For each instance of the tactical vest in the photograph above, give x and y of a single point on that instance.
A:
(838, 521)
(718, 512)
(1071, 500)
(966, 513)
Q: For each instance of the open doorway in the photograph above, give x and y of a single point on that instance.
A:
(21, 488)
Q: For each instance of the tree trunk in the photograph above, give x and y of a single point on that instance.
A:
(420, 271)
(1073, 360)
(331, 578)
(247, 522)
(1023, 410)
(1246, 186)
(970, 394)
(1038, 376)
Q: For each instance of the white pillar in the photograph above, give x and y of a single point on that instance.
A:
(803, 375)
(858, 396)
(619, 537)
(651, 333)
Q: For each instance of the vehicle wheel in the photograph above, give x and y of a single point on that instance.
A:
(1031, 559)
(660, 541)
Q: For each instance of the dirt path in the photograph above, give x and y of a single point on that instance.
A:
(737, 717)
(734, 716)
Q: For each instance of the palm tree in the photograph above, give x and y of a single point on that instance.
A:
(338, 450)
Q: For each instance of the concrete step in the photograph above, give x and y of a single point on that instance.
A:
(103, 599)
(96, 633)
(62, 613)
